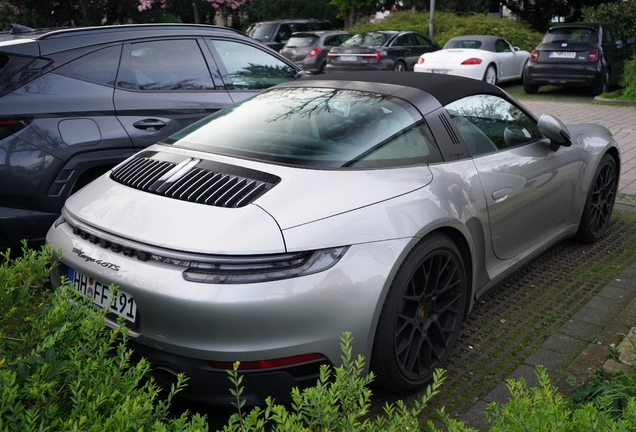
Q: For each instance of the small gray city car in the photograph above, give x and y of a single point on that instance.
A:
(383, 204)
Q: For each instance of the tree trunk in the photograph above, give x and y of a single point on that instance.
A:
(195, 9)
(351, 18)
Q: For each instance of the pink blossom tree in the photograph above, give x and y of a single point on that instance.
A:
(224, 7)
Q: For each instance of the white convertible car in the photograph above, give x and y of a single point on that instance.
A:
(488, 58)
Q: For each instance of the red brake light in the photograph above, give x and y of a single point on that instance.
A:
(314, 52)
(472, 61)
(266, 364)
(280, 51)
(9, 126)
(593, 57)
(534, 55)
(420, 60)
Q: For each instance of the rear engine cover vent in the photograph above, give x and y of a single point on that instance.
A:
(194, 180)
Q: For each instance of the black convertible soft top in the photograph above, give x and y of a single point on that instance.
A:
(445, 88)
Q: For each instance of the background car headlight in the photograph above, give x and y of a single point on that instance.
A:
(264, 269)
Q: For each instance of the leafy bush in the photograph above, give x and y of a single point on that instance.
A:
(61, 368)
(448, 25)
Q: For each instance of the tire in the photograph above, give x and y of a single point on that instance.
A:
(600, 202)
(399, 66)
(490, 76)
(530, 88)
(603, 87)
(421, 317)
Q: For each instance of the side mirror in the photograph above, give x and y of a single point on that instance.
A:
(553, 129)
(515, 48)
(303, 74)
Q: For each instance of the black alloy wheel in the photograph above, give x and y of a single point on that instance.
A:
(422, 315)
(600, 201)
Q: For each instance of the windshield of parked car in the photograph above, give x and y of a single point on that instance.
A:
(301, 41)
(367, 39)
(472, 44)
(571, 34)
(324, 128)
(261, 31)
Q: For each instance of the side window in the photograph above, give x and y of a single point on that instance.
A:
(166, 65)
(250, 68)
(99, 67)
(284, 32)
(502, 46)
(332, 41)
(489, 123)
(421, 40)
(608, 35)
(404, 40)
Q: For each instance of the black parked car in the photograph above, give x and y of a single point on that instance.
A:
(75, 102)
(578, 55)
(309, 49)
(275, 34)
(380, 50)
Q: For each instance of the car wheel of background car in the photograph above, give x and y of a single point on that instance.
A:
(530, 88)
(422, 315)
(399, 66)
(603, 87)
(600, 202)
(491, 75)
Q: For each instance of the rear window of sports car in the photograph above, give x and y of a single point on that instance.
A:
(322, 128)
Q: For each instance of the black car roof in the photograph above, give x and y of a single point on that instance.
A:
(445, 88)
(488, 42)
(60, 39)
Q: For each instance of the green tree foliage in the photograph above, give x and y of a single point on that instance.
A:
(539, 13)
(622, 14)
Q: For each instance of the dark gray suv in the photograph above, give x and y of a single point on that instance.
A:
(75, 102)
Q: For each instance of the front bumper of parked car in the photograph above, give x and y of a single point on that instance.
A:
(574, 75)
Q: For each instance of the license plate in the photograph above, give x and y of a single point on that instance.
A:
(348, 58)
(440, 71)
(89, 287)
(562, 54)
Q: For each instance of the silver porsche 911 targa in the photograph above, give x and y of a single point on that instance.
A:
(383, 204)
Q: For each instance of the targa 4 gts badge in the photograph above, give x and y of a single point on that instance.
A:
(80, 253)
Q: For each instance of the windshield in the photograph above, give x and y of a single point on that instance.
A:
(367, 39)
(261, 31)
(327, 128)
(571, 34)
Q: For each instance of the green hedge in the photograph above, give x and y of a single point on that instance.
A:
(448, 25)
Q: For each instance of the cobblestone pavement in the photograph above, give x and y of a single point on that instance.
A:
(621, 121)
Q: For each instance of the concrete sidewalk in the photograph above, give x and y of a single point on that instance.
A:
(609, 313)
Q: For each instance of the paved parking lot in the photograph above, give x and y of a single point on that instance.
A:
(621, 121)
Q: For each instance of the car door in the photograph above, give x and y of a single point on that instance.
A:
(529, 188)
(165, 85)
(506, 59)
(247, 69)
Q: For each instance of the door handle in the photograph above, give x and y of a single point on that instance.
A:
(501, 194)
(150, 125)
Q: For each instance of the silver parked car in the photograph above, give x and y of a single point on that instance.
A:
(383, 204)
